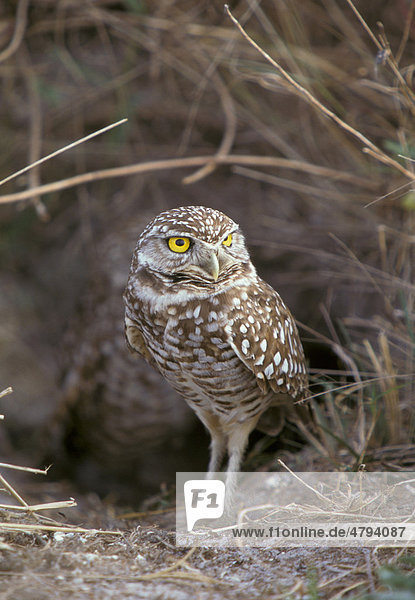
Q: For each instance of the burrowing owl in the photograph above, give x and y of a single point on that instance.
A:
(223, 338)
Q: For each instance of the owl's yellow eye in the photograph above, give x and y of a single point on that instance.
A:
(179, 244)
(228, 241)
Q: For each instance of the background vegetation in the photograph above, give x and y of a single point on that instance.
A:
(309, 149)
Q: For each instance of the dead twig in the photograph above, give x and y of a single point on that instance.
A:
(27, 469)
(176, 163)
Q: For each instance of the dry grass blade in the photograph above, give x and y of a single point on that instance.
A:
(353, 386)
(3, 393)
(174, 573)
(141, 514)
(57, 152)
(32, 509)
(388, 385)
(35, 137)
(19, 30)
(316, 492)
(383, 46)
(371, 149)
(39, 527)
(289, 184)
(406, 31)
(8, 487)
(229, 133)
(46, 506)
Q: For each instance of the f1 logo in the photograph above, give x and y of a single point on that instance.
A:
(204, 499)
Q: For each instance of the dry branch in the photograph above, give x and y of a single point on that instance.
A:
(182, 163)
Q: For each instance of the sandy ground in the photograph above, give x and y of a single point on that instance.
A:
(140, 560)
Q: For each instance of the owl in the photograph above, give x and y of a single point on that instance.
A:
(197, 311)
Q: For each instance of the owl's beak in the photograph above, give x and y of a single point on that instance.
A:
(211, 265)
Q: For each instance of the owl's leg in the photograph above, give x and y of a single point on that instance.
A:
(237, 441)
(217, 451)
(217, 443)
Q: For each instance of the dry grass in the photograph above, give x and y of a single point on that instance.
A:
(32, 520)
(305, 110)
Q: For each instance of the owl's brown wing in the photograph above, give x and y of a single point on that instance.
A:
(263, 334)
(133, 315)
(134, 337)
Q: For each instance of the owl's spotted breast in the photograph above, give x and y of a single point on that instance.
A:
(192, 350)
(231, 354)
(221, 336)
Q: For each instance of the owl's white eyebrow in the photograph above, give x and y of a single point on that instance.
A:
(231, 232)
(177, 235)
(164, 236)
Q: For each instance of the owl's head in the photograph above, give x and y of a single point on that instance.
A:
(192, 244)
